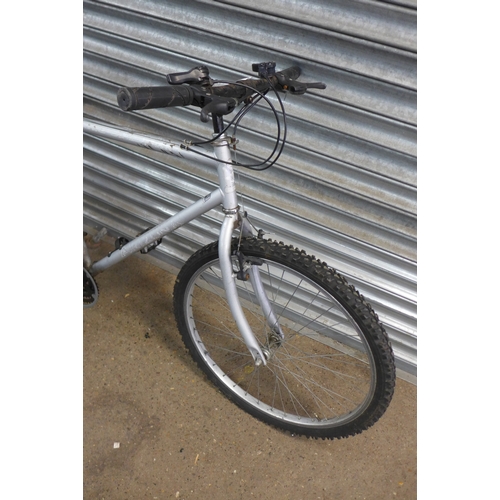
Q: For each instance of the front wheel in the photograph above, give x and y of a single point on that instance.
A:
(330, 368)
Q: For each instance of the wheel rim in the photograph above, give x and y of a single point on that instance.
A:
(322, 374)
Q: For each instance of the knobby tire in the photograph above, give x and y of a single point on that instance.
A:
(330, 367)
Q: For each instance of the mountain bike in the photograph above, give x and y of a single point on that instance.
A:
(280, 333)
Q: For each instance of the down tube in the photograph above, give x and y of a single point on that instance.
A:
(186, 215)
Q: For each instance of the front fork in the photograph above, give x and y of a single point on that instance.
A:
(229, 281)
(258, 287)
(232, 220)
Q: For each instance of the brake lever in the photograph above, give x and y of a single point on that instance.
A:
(218, 106)
(301, 88)
(296, 87)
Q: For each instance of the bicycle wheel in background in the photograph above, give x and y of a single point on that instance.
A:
(330, 368)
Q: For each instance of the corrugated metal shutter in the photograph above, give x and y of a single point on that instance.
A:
(345, 187)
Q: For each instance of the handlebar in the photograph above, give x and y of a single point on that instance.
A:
(196, 88)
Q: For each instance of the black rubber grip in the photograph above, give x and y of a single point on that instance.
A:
(154, 97)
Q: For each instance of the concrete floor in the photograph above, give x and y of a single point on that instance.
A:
(155, 428)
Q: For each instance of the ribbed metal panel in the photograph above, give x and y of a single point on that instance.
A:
(345, 187)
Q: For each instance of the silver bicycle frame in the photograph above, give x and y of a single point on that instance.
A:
(224, 195)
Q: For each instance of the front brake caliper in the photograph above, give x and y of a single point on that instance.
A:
(242, 273)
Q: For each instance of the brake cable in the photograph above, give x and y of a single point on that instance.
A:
(239, 116)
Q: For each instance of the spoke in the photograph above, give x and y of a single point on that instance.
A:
(307, 308)
(348, 379)
(316, 319)
(226, 332)
(306, 375)
(291, 297)
(249, 383)
(218, 292)
(348, 360)
(223, 349)
(303, 381)
(292, 396)
(239, 367)
(306, 379)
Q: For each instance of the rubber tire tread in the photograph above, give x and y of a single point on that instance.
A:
(335, 284)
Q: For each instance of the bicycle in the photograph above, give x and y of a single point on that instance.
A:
(281, 334)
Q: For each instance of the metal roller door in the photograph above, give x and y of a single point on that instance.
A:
(344, 188)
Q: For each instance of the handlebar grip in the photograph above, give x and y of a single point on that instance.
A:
(130, 99)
